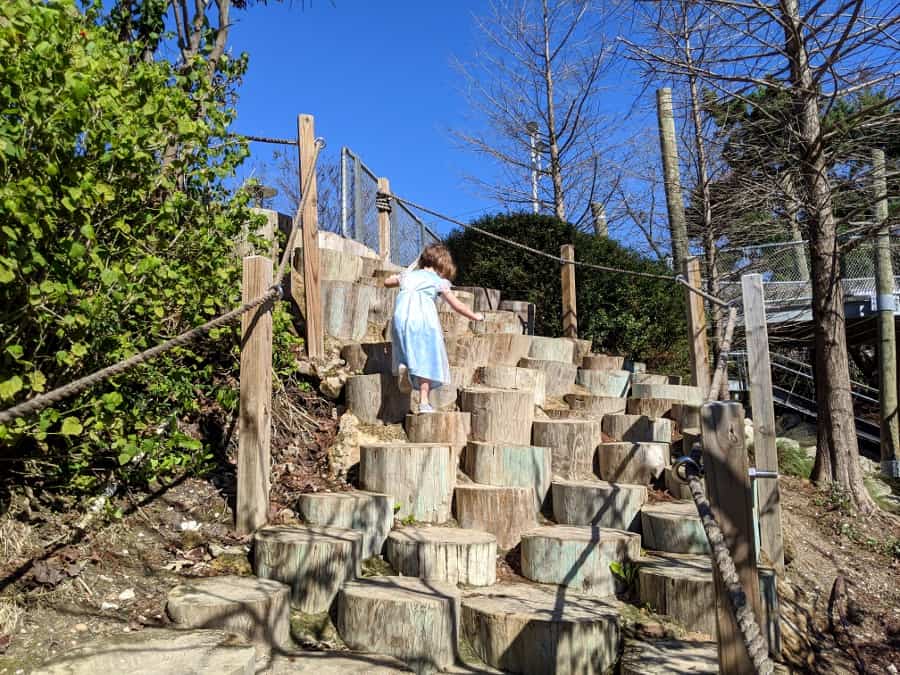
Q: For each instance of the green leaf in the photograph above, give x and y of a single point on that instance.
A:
(87, 231)
(37, 380)
(6, 274)
(77, 250)
(15, 351)
(71, 426)
(79, 349)
(112, 400)
(10, 387)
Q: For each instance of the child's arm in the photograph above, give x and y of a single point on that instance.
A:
(392, 281)
(457, 306)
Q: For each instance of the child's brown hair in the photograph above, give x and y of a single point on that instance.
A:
(438, 258)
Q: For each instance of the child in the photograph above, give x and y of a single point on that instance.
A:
(418, 342)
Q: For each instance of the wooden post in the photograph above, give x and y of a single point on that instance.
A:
(256, 399)
(309, 219)
(668, 143)
(728, 487)
(569, 309)
(887, 339)
(760, 370)
(384, 223)
(696, 317)
(266, 232)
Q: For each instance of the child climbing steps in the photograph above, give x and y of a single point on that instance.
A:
(419, 354)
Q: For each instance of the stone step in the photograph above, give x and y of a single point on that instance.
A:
(498, 321)
(499, 415)
(484, 299)
(673, 527)
(675, 392)
(313, 561)
(637, 428)
(598, 503)
(679, 586)
(411, 619)
(368, 512)
(666, 657)
(552, 349)
(376, 399)
(157, 652)
(419, 476)
(602, 362)
(596, 405)
(506, 465)
(258, 610)
(444, 554)
(505, 512)
(651, 407)
(627, 462)
(521, 628)
(445, 428)
(492, 349)
(655, 378)
(578, 557)
(368, 358)
(558, 376)
(611, 383)
(572, 442)
(512, 377)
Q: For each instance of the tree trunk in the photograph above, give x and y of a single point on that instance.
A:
(559, 206)
(837, 458)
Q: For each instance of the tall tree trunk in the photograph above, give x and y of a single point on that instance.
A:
(837, 455)
(559, 205)
(792, 211)
(668, 144)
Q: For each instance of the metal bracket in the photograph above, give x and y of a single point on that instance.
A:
(685, 467)
(756, 474)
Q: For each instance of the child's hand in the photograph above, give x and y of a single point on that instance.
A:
(479, 316)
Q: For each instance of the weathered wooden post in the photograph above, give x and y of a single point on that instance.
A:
(569, 309)
(255, 399)
(696, 316)
(668, 143)
(309, 220)
(760, 372)
(384, 222)
(728, 487)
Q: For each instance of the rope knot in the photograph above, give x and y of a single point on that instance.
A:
(383, 202)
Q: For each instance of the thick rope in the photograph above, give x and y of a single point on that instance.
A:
(270, 140)
(274, 292)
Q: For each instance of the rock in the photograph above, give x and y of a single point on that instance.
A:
(127, 594)
(331, 387)
(598, 503)
(344, 451)
(444, 554)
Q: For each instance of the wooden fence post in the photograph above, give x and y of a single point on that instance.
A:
(760, 372)
(728, 487)
(256, 399)
(696, 316)
(569, 309)
(315, 336)
(384, 223)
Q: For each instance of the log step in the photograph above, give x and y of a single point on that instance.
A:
(626, 462)
(580, 349)
(528, 629)
(596, 405)
(598, 503)
(525, 311)
(552, 349)
(602, 362)
(452, 323)
(313, 561)
(577, 557)
(505, 512)
(413, 620)
(511, 377)
(258, 610)
(676, 488)
(664, 657)
(679, 586)
(498, 322)
(676, 392)
(655, 378)
(491, 349)
(376, 398)
(673, 527)
(444, 554)
(483, 299)
(558, 376)
(499, 415)
(610, 383)
(505, 465)
(637, 428)
(346, 309)
(370, 513)
(651, 407)
(419, 476)
(444, 428)
(368, 358)
(572, 443)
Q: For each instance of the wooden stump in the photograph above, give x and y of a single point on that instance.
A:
(675, 392)
(346, 309)
(634, 366)
(525, 311)
(673, 527)
(611, 383)
(498, 322)
(339, 266)
(494, 349)
(651, 407)
(596, 405)
(655, 378)
(445, 398)
(444, 554)
(681, 587)
(368, 358)
(504, 465)
(598, 503)
(577, 557)
(416, 621)
(313, 561)
(572, 443)
(511, 377)
(676, 488)
(638, 463)
(465, 297)
(686, 417)
(558, 376)
(637, 428)
(485, 299)
(376, 398)
(382, 308)
(370, 513)
(522, 628)
(580, 349)
(499, 415)
(420, 477)
(552, 349)
(256, 609)
(602, 362)
(505, 512)
(445, 428)
(453, 324)
(663, 657)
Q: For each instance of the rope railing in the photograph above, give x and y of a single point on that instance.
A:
(269, 139)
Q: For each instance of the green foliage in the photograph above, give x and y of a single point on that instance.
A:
(118, 233)
(792, 459)
(639, 317)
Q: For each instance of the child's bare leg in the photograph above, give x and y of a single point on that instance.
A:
(424, 390)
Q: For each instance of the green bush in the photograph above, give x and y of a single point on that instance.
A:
(639, 317)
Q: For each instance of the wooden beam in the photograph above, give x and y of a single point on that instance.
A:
(569, 309)
(255, 399)
(384, 223)
(728, 488)
(696, 317)
(309, 219)
(760, 371)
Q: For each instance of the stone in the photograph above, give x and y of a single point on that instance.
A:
(344, 451)
(331, 387)
(446, 554)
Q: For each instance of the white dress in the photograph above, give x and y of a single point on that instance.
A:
(418, 341)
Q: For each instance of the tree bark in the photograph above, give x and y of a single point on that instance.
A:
(559, 206)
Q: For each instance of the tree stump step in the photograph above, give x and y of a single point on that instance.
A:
(484, 299)
(419, 476)
(346, 309)
(499, 415)
(442, 427)
(663, 657)
(368, 358)
(505, 512)
(258, 610)
(598, 503)
(627, 462)
(673, 527)
(655, 378)
(370, 513)
(552, 349)
(611, 383)
(558, 375)
(505, 465)
(596, 405)
(572, 444)
(528, 629)
(498, 321)
(637, 428)
(580, 349)
(679, 586)
(651, 407)
(444, 554)
(376, 398)
(676, 392)
(578, 557)
(490, 349)
(413, 620)
(602, 362)
(512, 377)
(313, 561)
